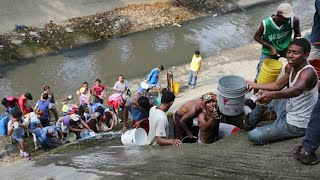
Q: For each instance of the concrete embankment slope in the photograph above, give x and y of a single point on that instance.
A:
(231, 158)
(40, 12)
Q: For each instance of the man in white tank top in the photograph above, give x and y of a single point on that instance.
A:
(302, 93)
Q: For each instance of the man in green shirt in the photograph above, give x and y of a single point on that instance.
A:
(275, 33)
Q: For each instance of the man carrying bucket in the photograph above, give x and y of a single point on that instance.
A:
(275, 34)
(159, 124)
(301, 81)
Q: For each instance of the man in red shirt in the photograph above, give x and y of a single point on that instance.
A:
(25, 107)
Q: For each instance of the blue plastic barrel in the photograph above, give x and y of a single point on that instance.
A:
(4, 119)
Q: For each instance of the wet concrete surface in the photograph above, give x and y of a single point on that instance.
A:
(230, 158)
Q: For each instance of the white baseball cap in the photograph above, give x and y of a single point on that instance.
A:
(285, 10)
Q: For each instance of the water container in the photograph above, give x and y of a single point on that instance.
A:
(156, 100)
(4, 119)
(134, 137)
(71, 137)
(176, 87)
(270, 71)
(231, 93)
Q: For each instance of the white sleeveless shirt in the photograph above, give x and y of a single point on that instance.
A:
(299, 108)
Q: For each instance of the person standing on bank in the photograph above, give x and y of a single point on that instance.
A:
(275, 34)
(195, 66)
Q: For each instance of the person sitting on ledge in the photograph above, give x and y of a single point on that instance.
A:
(302, 92)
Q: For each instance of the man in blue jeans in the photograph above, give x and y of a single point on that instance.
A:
(195, 66)
(311, 141)
(301, 82)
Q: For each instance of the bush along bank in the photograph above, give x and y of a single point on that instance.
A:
(26, 42)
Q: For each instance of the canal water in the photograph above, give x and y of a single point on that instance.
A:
(136, 54)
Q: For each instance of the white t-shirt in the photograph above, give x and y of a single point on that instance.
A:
(158, 123)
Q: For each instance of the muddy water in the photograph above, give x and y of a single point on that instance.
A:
(136, 54)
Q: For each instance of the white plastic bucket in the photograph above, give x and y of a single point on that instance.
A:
(231, 93)
(134, 137)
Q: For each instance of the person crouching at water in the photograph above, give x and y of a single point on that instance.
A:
(87, 116)
(116, 103)
(44, 137)
(33, 122)
(139, 110)
(72, 123)
(108, 121)
(10, 103)
(159, 124)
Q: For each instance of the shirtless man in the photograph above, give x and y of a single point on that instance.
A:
(186, 113)
(209, 120)
(184, 118)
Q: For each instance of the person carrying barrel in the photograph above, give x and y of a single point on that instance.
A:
(274, 34)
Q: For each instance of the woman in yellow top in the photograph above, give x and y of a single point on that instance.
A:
(195, 66)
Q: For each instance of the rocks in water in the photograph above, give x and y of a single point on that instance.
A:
(221, 6)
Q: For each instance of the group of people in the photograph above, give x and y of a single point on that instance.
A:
(294, 96)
